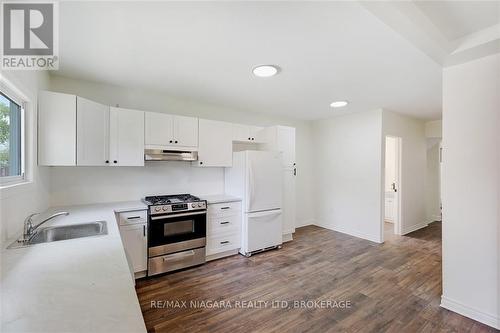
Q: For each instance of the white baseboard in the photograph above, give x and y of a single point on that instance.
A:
(414, 228)
(287, 237)
(349, 232)
(464, 310)
(304, 223)
(435, 218)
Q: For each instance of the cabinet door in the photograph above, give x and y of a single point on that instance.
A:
(134, 238)
(286, 144)
(216, 146)
(92, 129)
(241, 133)
(159, 129)
(126, 137)
(56, 129)
(288, 202)
(256, 134)
(185, 131)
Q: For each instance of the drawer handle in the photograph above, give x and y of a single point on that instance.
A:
(178, 255)
(224, 242)
(133, 217)
(225, 207)
(225, 222)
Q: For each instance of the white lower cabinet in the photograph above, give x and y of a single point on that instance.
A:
(134, 234)
(223, 229)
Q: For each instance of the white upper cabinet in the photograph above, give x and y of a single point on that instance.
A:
(186, 131)
(246, 133)
(282, 139)
(92, 130)
(126, 137)
(165, 131)
(159, 129)
(56, 129)
(215, 147)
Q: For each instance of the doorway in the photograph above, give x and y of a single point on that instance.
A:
(392, 188)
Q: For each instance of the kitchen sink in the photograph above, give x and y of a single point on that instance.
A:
(64, 232)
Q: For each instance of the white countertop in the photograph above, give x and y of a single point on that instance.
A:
(219, 198)
(76, 285)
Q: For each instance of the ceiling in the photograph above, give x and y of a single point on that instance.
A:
(456, 19)
(205, 51)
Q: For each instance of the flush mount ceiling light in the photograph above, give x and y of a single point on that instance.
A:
(339, 104)
(265, 70)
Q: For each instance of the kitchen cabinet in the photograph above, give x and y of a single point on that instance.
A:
(75, 131)
(170, 132)
(133, 231)
(126, 137)
(92, 132)
(56, 129)
(246, 133)
(215, 148)
(223, 229)
(282, 139)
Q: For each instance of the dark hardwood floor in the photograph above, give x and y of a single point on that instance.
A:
(391, 287)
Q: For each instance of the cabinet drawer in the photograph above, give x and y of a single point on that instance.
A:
(217, 244)
(225, 209)
(133, 217)
(217, 225)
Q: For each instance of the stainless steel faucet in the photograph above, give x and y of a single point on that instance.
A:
(29, 229)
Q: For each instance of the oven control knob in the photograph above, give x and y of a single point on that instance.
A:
(164, 208)
(193, 205)
(200, 205)
(157, 209)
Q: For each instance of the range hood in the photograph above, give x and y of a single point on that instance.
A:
(169, 155)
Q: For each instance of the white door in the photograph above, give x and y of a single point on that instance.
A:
(56, 129)
(159, 129)
(389, 206)
(134, 239)
(263, 229)
(288, 201)
(241, 133)
(92, 129)
(126, 132)
(185, 131)
(264, 181)
(216, 146)
(257, 134)
(286, 144)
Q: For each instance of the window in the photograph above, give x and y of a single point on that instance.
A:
(11, 140)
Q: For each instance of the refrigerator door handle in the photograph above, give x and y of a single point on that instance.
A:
(265, 213)
(251, 182)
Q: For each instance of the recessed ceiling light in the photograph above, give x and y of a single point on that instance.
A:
(265, 70)
(339, 104)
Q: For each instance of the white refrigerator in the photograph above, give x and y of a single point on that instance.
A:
(256, 177)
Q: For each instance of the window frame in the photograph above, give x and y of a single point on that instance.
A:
(19, 179)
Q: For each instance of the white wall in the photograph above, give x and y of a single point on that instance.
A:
(80, 184)
(433, 181)
(348, 173)
(470, 189)
(434, 129)
(413, 168)
(16, 202)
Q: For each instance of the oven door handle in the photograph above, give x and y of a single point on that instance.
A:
(165, 217)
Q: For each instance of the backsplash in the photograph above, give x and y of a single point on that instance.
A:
(83, 185)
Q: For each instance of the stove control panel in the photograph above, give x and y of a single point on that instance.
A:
(177, 208)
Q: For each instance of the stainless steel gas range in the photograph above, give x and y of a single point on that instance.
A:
(176, 232)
